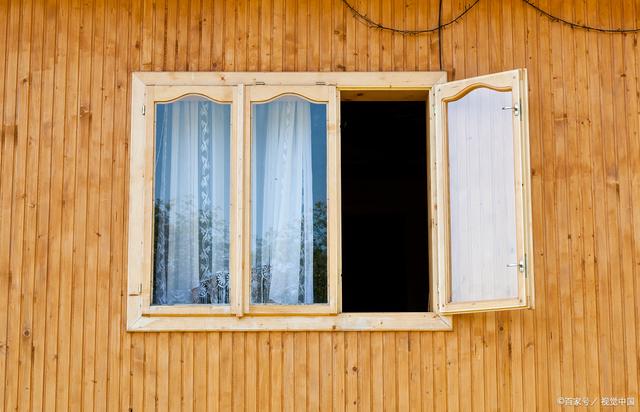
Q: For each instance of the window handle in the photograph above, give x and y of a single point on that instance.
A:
(515, 108)
(519, 265)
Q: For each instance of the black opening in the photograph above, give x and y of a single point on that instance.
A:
(384, 207)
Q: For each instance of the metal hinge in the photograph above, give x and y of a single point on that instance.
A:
(259, 83)
(520, 109)
(138, 292)
(144, 109)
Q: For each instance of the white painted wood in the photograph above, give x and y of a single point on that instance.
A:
(482, 197)
(482, 153)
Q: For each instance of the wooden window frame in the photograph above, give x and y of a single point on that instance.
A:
(514, 81)
(317, 94)
(141, 316)
(141, 175)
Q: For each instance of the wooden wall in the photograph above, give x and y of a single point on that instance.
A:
(65, 70)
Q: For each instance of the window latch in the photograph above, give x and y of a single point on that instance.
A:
(520, 265)
(515, 108)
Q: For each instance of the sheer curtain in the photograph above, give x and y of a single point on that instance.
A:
(191, 259)
(282, 189)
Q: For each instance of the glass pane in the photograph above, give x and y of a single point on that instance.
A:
(482, 197)
(289, 202)
(191, 204)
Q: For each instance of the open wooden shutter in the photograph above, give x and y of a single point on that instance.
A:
(483, 197)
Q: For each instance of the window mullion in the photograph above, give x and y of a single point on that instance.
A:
(237, 199)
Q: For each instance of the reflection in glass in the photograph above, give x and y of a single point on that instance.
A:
(191, 202)
(482, 196)
(289, 202)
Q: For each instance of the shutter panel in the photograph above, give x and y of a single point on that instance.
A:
(483, 198)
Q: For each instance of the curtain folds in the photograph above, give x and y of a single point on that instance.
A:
(282, 233)
(191, 259)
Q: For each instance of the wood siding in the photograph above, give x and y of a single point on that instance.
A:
(65, 70)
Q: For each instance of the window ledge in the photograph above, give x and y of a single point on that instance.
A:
(423, 321)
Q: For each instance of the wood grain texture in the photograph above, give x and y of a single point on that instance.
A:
(64, 110)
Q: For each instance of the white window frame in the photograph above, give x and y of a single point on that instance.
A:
(239, 316)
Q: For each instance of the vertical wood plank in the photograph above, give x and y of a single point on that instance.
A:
(339, 372)
(226, 371)
(276, 375)
(365, 377)
(415, 372)
(427, 370)
(402, 367)
(162, 379)
(80, 208)
(377, 372)
(43, 205)
(313, 372)
(326, 371)
(251, 372)
(105, 201)
(200, 369)
(175, 371)
(150, 372)
(54, 272)
(213, 372)
(9, 143)
(29, 192)
(238, 391)
(351, 371)
(389, 388)
(300, 371)
(266, 34)
(288, 372)
(264, 368)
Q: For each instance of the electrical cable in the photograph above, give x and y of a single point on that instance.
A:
(440, 33)
(577, 25)
(441, 26)
(380, 26)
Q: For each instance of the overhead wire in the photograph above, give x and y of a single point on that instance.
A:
(377, 25)
(412, 32)
(578, 25)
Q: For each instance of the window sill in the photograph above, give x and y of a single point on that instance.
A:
(423, 321)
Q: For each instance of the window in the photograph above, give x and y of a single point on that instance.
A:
(485, 217)
(249, 211)
(385, 265)
(292, 142)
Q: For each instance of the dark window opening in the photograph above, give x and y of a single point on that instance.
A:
(385, 265)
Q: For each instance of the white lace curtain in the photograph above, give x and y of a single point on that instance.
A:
(282, 189)
(191, 259)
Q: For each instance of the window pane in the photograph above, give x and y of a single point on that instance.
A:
(482, 197)
(289, 202)
(191, 205)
